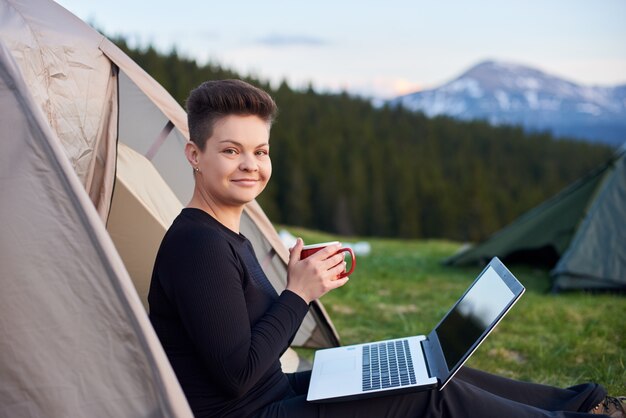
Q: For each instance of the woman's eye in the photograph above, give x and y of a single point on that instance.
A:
(262, 152)
(230, 151)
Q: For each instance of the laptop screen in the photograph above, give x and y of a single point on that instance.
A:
(472, 316)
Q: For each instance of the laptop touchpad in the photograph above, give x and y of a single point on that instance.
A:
(339, 365)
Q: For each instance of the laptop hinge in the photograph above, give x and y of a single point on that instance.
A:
(425, 344)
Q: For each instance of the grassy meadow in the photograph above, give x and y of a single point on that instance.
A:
(403, 289)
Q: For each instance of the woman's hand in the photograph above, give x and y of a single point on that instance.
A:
(317, 274)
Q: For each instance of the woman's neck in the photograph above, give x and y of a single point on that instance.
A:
(229, 217)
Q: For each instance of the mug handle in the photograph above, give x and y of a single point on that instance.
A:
(349, 272)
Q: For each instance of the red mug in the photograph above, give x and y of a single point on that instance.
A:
(311, 249)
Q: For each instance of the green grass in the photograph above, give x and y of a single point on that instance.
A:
(403, 289)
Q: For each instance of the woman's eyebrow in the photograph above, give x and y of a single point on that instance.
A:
(239, 144)
(230, 141)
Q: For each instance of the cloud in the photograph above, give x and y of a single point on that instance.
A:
(280, 40)
(381, 87)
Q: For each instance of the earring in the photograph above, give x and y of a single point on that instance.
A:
(196, 169)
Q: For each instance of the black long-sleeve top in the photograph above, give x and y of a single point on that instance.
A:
(222, 325)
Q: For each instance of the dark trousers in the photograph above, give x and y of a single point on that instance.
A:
(471, 393)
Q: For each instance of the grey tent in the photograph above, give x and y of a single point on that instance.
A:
(92, 174)
(580, 232)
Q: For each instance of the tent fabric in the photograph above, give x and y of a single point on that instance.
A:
(66, 305)
(579, 233)
(143, 208)
(58, 67)
(141, 123)
(153, 90)
(602, 232)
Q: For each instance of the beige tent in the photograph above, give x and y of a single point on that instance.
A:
(91, 173)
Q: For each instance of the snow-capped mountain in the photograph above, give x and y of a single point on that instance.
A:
(505, 93)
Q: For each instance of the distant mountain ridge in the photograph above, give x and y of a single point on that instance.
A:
(506, 93)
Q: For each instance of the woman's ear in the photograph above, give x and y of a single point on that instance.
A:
(192, 152)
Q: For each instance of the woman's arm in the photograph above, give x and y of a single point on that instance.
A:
(209, 295)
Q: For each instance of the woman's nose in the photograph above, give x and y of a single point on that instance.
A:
(248, 163)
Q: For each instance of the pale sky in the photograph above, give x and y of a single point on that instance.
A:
(376, 48)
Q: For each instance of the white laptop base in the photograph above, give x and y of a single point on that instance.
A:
(337, 374)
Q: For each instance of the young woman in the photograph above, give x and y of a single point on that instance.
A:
(224, 327)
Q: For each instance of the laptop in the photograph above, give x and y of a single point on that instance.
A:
(421, 362)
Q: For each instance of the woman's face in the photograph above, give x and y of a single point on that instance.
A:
(235, 165)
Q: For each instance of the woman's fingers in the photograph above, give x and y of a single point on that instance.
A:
(317, 274)
(330, 251)
(294, 252)
(337, 262)
(339, 282)
(327, 266)
(336, 270)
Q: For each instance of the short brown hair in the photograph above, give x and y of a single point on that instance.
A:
(215, 99)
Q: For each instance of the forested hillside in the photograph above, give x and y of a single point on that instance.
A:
(345, 166)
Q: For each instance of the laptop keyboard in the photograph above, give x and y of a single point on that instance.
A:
(387, 365)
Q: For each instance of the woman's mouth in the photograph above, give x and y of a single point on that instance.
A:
(245, 182)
